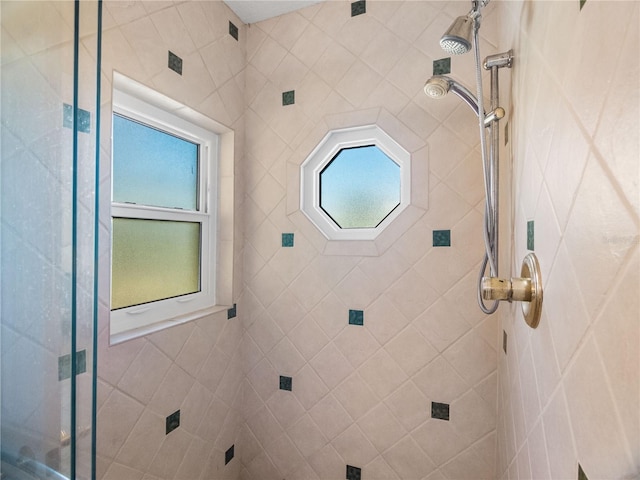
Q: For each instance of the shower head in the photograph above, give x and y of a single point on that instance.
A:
(457, 39)
(439, 85)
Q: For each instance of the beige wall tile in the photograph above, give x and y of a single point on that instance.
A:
(586, 228)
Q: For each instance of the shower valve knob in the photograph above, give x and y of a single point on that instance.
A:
(495, 288)
(526, 289)
(516, 289)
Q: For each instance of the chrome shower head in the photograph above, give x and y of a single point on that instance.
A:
(439, 85)
(457, 39)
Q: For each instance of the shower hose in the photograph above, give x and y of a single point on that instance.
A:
(489, 225)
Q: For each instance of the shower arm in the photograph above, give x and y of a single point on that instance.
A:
(465, 95)
(496, 113)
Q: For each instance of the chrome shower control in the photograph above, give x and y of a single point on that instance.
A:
(527, 289)
(496, 114)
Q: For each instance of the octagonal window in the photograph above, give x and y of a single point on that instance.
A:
(355, 183)
(360, 187)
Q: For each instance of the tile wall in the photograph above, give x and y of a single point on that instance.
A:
(569, 391)
(361, 366)
(194, 368)
(291, 388)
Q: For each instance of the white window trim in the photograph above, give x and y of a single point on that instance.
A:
(322, 155)
(136, 101)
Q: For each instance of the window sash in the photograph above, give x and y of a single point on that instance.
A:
(134, 178)
(158, 260)
(137, 110)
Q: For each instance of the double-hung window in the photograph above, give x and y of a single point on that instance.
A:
(163, 217)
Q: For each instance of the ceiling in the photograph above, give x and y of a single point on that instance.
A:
(252, 11)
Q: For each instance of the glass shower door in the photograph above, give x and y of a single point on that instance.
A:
(48, 159)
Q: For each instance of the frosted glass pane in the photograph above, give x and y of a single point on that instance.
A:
(153, 260)
(151, 167)
(360, 187)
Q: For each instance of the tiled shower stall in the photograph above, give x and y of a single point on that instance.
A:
(413, 392)
(290, 383)
(371, 360)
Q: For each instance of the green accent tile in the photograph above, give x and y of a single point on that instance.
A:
(172, 422)
(530, 235)
(84, 118)
(582, 2)
(64, 367)
(175, 63)
(84, 121)
(442, 66)
(81, 362)
(64, 364)
(442, 238)
(287, 239)
(354, 473)
(358, 8)
(232, 312)
(233, 30)
(356, 317)
(229, 454)
(286, 383)
(581, 474)
(67, 116)
(288, 98)
(440, 411)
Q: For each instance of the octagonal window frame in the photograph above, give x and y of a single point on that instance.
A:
(322, 155)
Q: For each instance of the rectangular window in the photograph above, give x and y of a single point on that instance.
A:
(163, 217)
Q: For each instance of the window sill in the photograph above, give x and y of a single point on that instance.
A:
(172, 322)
